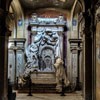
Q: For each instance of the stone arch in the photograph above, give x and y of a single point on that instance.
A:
(18, 14)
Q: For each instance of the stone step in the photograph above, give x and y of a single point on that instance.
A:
(42, 82)
(39, 88)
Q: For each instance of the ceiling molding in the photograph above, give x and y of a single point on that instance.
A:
(36, 4)
(46, 11)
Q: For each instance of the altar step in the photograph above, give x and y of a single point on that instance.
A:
(39, 88)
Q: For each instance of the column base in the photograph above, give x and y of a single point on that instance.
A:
(78, 85)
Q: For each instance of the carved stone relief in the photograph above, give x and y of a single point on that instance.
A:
(42, 52)
(46, 43)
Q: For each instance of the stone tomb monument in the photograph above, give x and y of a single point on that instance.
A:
(46, 45)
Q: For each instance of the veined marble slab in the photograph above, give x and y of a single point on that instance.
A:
(43, 77)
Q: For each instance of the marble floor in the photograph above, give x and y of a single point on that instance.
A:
(45, 96)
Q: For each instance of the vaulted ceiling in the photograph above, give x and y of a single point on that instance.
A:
(35, 4)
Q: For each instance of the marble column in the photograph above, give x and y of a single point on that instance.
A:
(3, 67)
(74, 56)
(3, 56)
(65, 45)
(88, 52)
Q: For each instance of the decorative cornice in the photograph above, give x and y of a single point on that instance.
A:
(75, 45)
(17, 43)
(35, 20)
(17, 40)
(75, 40)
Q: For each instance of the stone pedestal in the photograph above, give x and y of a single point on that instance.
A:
(43, 77)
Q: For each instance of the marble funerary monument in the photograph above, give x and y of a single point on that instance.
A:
(45, 45)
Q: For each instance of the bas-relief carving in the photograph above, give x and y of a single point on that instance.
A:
(47, 59)
(49, 21)
(42, 52)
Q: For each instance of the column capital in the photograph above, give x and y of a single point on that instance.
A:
(75, 45)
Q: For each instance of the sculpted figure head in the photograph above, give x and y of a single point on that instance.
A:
(58, 62)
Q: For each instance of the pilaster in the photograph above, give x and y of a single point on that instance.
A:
(3, 55)
(88, 54)
(76, 48)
